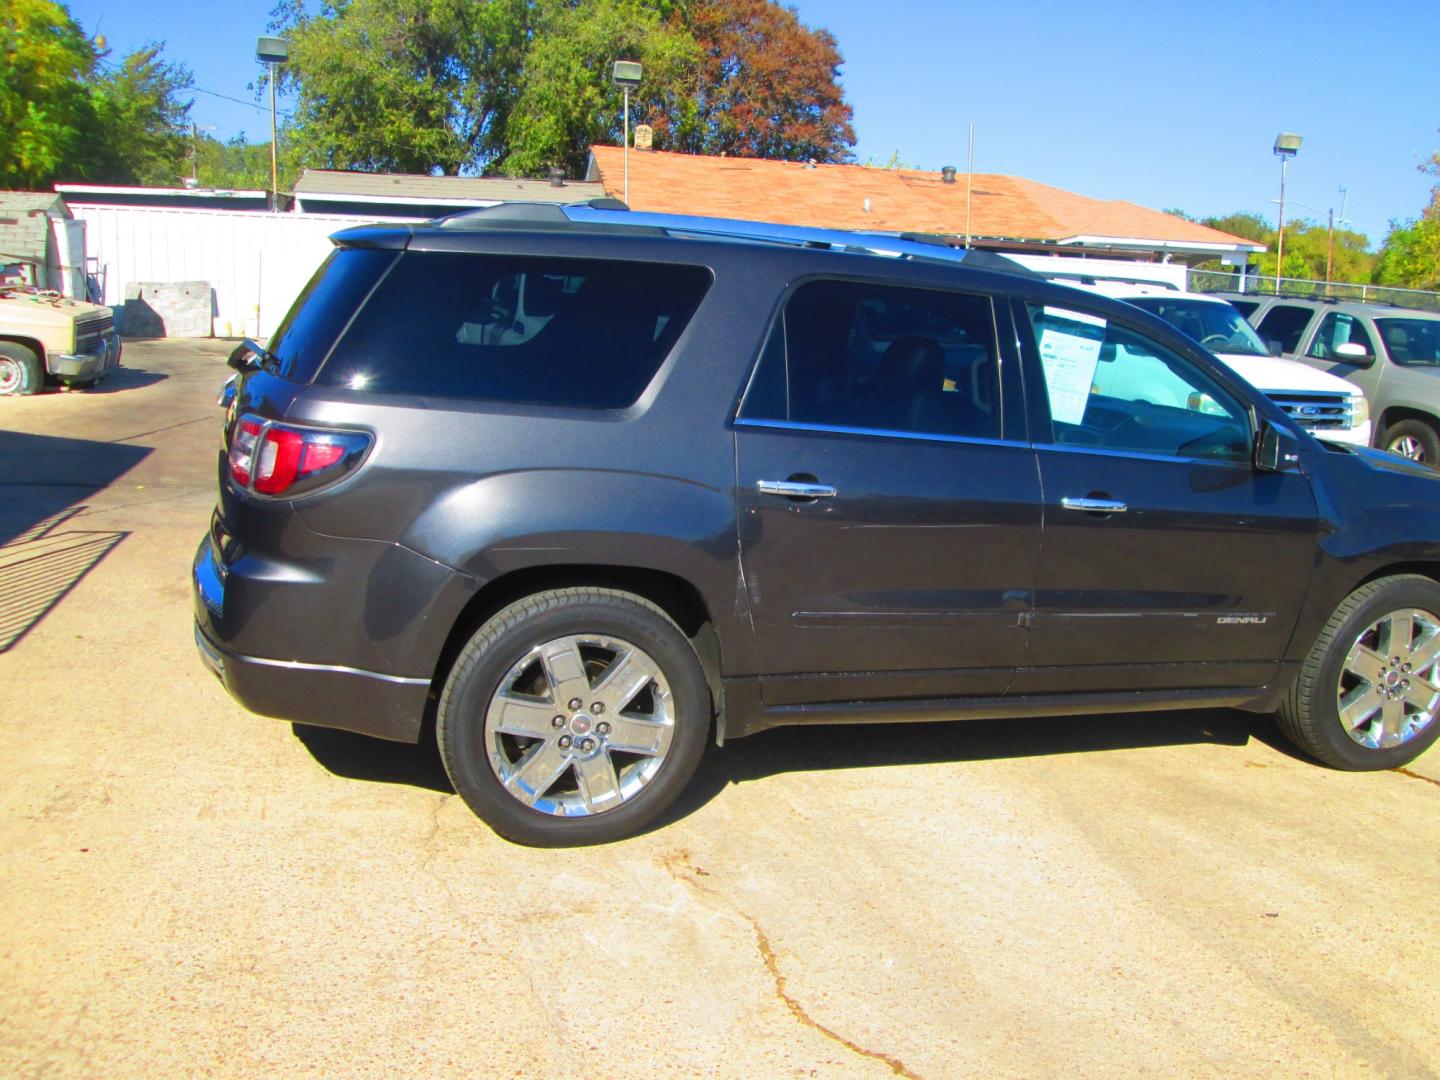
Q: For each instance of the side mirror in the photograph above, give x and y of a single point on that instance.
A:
(1354, 353)
(1273, 348)
(247, 356)
(1275, 450)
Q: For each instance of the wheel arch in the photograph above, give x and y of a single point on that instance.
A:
(33, 344)
(1397, 413)
(1430, 570)
(680, 599)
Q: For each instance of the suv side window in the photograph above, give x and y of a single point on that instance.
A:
(1111, 387)
(574, 332)
(1284, 323)
(1338, 328)
(881, 358)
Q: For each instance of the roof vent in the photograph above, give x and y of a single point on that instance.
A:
(557, 177)
(947, 174)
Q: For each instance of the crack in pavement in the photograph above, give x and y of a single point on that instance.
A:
(1417, 776)
(431, 850)
(678, 865)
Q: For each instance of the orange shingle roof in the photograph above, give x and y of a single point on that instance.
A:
(881, 200)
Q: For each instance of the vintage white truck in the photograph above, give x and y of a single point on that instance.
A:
(44, 335)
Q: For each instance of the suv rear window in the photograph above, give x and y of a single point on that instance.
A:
(572, 332)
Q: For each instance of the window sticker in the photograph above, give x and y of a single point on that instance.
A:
(1069, 351)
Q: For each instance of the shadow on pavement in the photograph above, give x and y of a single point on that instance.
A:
(122, 379)
(42, 476)
(359, 757)
(39, 567)
(819, 748)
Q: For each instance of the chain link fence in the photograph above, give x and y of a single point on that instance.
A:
(1213, 281)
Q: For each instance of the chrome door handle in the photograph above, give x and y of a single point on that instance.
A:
(794, 489)
(1095, 506)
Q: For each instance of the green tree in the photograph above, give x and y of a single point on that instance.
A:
(1307, 247)
(139, 123)
(566, 100)
(45, 60)
(1246, 226)
(1410, 256)
(417, 86)
(519, 86)
(68, 113)
(240, 164)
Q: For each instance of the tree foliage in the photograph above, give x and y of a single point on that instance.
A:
(140, 123)
(566, 100)
(1410, 256)
(67, 113)
(766, 86)
(240, 164)
(45, 62)
(1307, 247)
(403, 85)
(519, 86)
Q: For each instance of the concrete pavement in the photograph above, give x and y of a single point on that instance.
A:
(186, 889)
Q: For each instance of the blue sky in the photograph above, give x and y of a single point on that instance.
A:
(1165, 104)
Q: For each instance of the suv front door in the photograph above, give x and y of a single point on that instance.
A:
(1168, 561)
(889, 519)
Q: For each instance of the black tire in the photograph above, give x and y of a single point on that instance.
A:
(1411, 437)
(20, 370)
(502, 655)
(1310, 714)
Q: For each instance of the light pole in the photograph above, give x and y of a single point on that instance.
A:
(625, 74)
(1287, 145)
(272, 52)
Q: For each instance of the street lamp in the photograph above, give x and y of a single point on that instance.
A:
(1287, 145)
(272, 52)
(625, 74)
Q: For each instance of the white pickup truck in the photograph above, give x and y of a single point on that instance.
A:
(1323, 404)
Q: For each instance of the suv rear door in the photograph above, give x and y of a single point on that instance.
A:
(889, 505)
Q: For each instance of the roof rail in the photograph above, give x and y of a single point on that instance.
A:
(612, 215)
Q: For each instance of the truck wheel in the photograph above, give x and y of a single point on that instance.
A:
(574, 716)
(1368, 693)
(20, 371)
(1414, 439)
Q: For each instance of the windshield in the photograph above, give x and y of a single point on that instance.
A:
(1217, 326)
(1411, 341)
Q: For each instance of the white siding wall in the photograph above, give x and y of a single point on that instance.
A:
(255, 262)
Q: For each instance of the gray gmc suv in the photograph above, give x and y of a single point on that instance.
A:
(590, 489)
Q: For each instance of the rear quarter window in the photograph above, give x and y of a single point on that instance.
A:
(1286, 324)
(322, 309)
(570, 332)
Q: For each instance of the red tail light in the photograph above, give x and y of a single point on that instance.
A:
(282, 459)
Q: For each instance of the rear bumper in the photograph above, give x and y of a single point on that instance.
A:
(325, 695)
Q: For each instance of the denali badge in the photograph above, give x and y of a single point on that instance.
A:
(1242, 620)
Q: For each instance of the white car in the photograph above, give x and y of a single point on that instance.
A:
(1323, 404)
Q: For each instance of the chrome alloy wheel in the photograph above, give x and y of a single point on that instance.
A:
(579, 725)
(12, 375)
(1408, 446)
(1389, 690)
